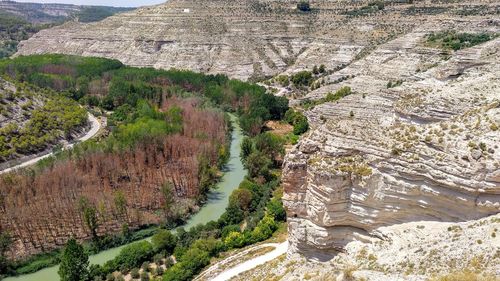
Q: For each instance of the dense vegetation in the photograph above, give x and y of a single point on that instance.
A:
(108, 83)
(14, 29)
(34, 119)
(371, 7)
(254, 213)
(164, 125)
(455, 41)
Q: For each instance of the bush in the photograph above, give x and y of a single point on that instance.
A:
(135, 273)
(133, 255)
(144, 276)
(302, 78)
(164, 240)
(304, 6)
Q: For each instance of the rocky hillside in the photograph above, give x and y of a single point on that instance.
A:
(19, 21)
(247, 39)
(37, 13)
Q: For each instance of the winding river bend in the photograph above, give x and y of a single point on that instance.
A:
(212, 210)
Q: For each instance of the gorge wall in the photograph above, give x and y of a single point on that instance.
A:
(424, 150)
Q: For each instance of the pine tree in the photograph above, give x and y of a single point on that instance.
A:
(74, 262)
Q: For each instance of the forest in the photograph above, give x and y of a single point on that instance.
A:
(33, 120)
(168, 139)
(255, 212)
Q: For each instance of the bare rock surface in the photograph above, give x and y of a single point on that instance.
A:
(425, 150)
(417, 251)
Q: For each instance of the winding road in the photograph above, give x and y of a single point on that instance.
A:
(95, 127)
(279, 249)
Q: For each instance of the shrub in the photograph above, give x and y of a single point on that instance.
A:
(302, 78)
(134, 254)
(164, 240)
(135, 273)
(304, 6)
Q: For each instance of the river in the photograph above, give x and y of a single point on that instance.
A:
(212, 210)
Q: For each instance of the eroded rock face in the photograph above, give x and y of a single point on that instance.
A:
(244, 39)
(427, 150)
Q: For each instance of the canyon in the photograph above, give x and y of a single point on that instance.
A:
(375, 163)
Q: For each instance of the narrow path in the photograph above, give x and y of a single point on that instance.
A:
(95, 127)
(279, 250)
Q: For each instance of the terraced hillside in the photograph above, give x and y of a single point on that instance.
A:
(247, 39)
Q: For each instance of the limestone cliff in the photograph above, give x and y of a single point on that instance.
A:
(240, 38)
(426, 150)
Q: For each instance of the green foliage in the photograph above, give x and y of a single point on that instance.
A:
(372, 7)
(128, 86)
(450, 39)
(302, 78)
(190, 264)
(246, 148)
(58, 118)
(164, 240)
(258, 164)
(131, 256)
(298, 121)
(89, 213)
(74, 262)
(342, 92)
(97, 13)
(276, 210)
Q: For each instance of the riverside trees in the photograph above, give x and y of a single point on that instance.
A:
(166, 130)
(74, 262)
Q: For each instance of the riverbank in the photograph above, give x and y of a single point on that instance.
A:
(217, 200)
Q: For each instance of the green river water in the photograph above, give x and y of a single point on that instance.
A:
(212, 210)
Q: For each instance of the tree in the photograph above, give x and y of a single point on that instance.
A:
(301, 125)
(304, 6)
(168, 196)
(258, 164)
(275, 209)
(164, 240)
(246, 148)
(241, 198)
(120, 203)
(5, 241)
(74, 262)
(89, 216)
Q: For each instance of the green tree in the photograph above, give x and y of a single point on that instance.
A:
(120, 203)
(89, 213)
(74, 262)
(258, 164)
(301, 125)
(164, 240)
(168, 197)
(5, 242)
(246, 148)
(275, 208)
